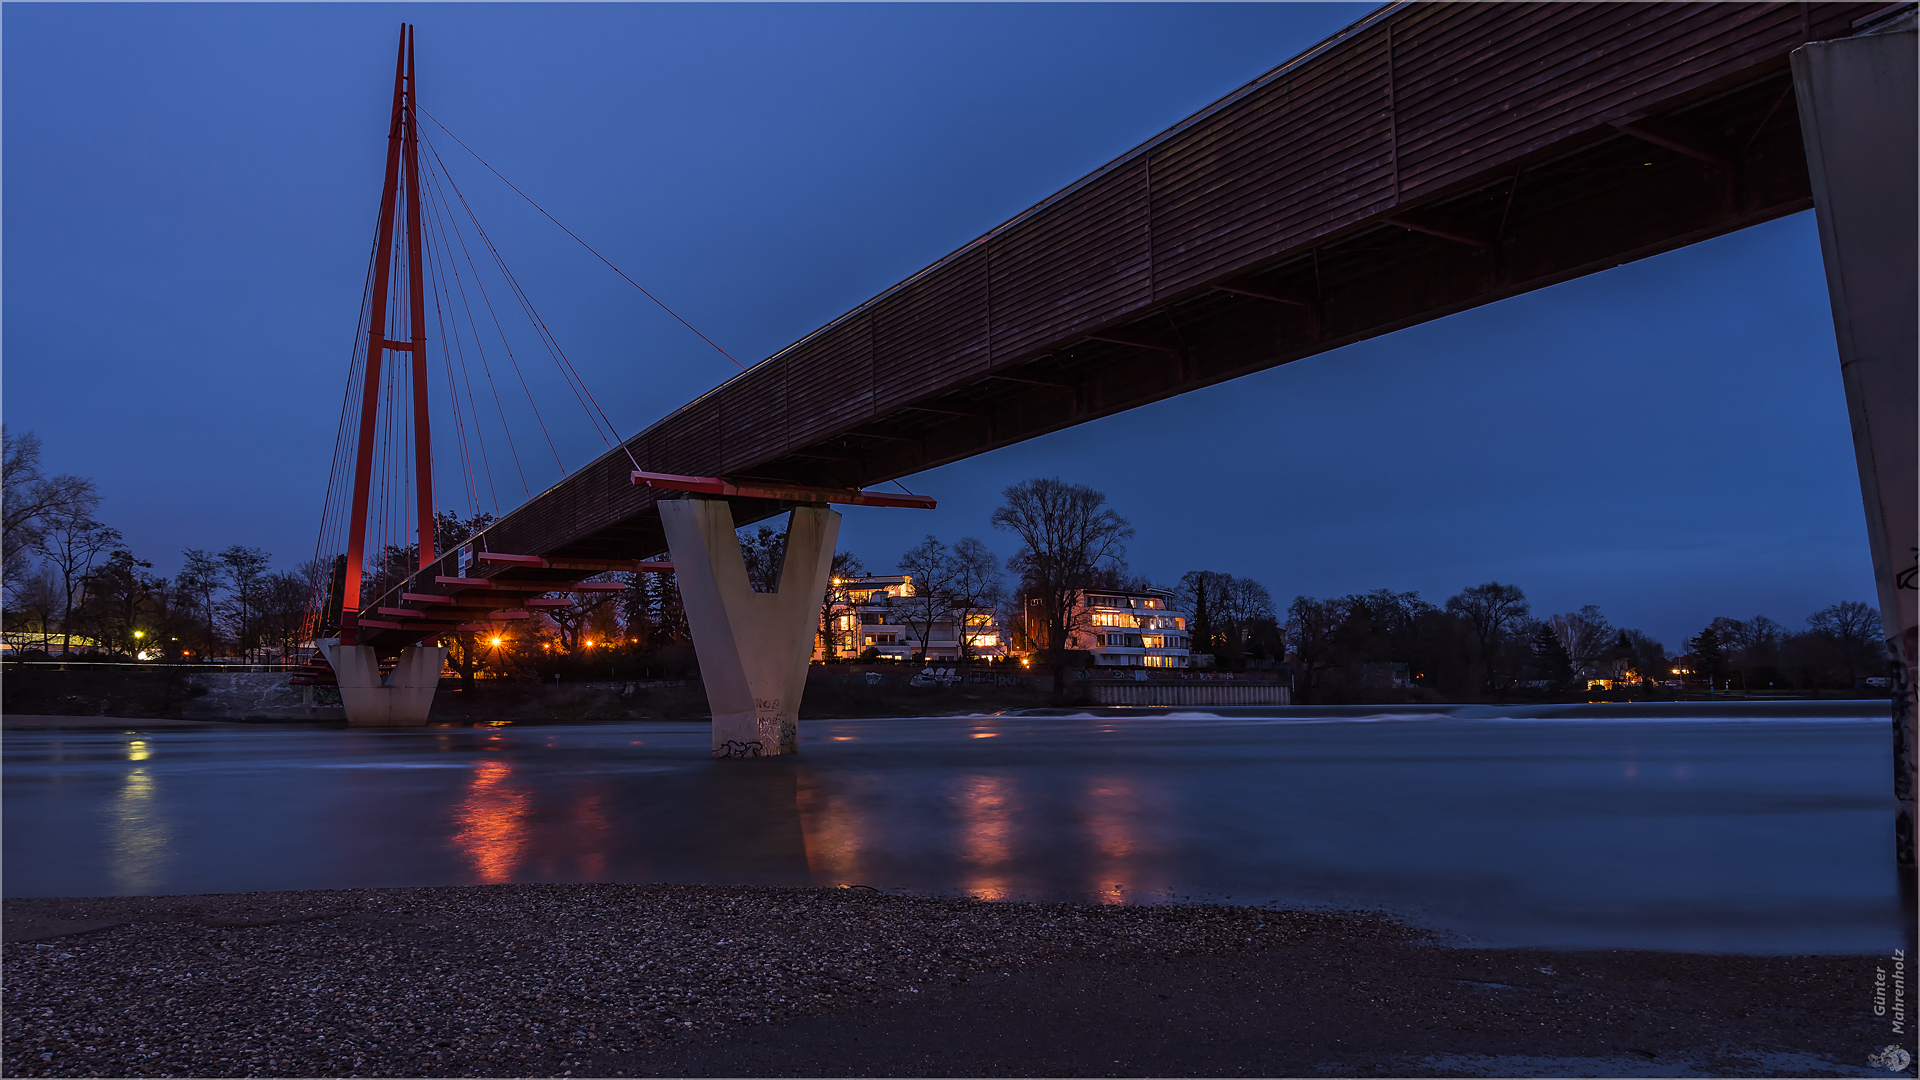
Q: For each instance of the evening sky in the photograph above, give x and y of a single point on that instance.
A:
(189, 202)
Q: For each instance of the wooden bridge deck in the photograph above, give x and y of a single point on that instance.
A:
(1427, 159)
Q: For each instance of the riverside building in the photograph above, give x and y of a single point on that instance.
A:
(890, 616)
(1131, 629)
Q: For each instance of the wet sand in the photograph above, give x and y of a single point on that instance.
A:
(653, 980)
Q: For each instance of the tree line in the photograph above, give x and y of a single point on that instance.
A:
(72, 581)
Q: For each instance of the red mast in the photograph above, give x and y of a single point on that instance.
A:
(403, 149)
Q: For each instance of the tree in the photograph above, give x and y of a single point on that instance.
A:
(1550, 660)
(1199, 593)
(33, 501)
(764, 551)
(837, 604)
(930, 565)
(246, 570)
(1645, 655)
(1854, 629)
(1493, 611)
(1243, 602)
(1709, 658)
(573, 621)
(122, 604)
(38, 597)
(1066, 533)
(1752, 646)
(1310, 629)
(1226, 611)
(977, 588)
(199, 582)
(72, 543)
(1584, 636)
(283, 610)
(451, 531)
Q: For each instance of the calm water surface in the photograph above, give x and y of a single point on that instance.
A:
(1726, 833)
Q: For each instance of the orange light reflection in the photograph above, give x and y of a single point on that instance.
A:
(835, 834)
(986, 809)
(492, 822)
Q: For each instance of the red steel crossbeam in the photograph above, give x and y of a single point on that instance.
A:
(597, 566)
(714, 485)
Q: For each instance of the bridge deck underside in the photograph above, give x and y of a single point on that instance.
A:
(1427, 160)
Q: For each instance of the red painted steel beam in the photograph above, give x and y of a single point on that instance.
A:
(376, 336)
(714, 485)
(417, 316)
(536, 562)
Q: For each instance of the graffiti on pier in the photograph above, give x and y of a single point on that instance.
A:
(734, 748)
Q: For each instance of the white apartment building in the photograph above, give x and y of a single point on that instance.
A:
(886, 614)
(1131, 629)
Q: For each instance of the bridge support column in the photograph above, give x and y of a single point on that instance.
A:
(753, 647)
(401, 698)
(1858, 119)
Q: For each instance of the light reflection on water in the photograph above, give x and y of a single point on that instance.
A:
(140, 839)
(491, 822)
(1755, 836)
(986, 835)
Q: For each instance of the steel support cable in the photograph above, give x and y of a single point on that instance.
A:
(487, 301)
(526, 305)
(433, 279)
(473, 322)
(582, 243)
(575, 381)
(330, 523)
(453, 387)
(567, 372)
(466, 376)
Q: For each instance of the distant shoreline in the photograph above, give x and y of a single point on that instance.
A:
(1761, 709)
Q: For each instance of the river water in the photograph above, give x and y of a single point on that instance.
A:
(1733, 829)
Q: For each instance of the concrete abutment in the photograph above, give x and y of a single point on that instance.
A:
(401, 698)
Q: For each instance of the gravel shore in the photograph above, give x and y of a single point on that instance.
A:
(636, 980)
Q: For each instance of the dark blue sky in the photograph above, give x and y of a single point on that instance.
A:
(190, 193)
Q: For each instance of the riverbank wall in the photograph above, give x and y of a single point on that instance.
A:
(47, 689)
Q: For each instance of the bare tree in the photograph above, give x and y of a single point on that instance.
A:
(1066, 534)
(573, 620)
(1200, 595)
(246, 569)
(1493, 611)
(38, 597)
(1585, 636)
(977, 588)
(72, 543)
(930, 565)
(199, 582)
(34, 502)
(1855, 630)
